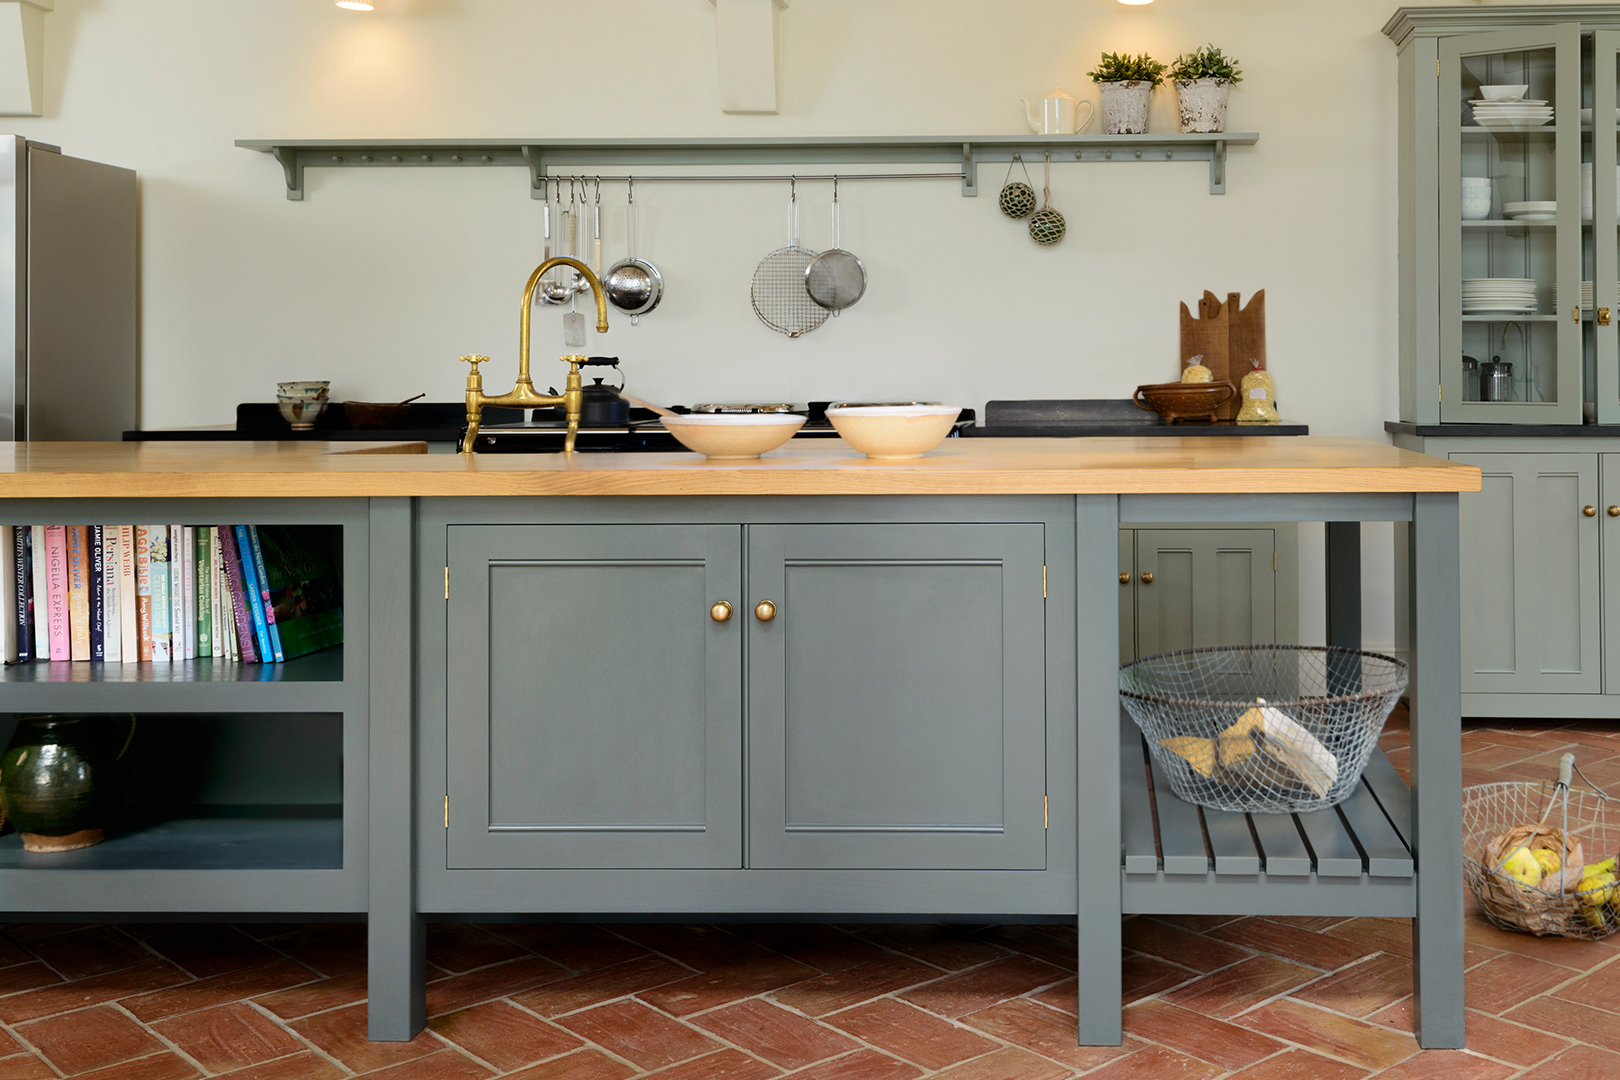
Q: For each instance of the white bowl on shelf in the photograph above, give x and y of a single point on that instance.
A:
(1504, 91)
(733, 436)
(887, 432)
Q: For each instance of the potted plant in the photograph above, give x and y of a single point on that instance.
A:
(1125, 83)
(1203, 81)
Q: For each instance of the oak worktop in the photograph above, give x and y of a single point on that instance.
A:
(1143, 465)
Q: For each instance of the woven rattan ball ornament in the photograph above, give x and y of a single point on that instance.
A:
(1017, 200)
(1047, 227)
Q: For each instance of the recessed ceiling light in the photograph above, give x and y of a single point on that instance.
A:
(363, 5)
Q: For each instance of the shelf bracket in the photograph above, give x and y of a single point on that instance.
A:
(970, 172)
(294, 171)
(1217, 168)
(536, 162)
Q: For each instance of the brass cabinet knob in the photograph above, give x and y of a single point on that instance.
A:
(1589, 511)
(1125, 579)
(1603, 316)
(721, 612)
(1614, 511)
(1147, 578)
(765, 611)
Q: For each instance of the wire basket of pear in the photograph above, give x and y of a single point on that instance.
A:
(1541, 857)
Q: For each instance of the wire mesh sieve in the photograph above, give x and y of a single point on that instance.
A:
(778, 293)
(1269, 729)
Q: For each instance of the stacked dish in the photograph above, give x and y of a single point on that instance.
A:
(1587, 294)
(1481, 295)
(1516, 113)
(1530, 211)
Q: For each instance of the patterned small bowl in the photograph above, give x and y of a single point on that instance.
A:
(300, 412)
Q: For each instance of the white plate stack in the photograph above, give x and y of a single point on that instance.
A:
(1587, 294)
(1518, 114)
(1484, 295)
(1530, 211)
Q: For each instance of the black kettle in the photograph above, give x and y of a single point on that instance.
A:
(603, 407)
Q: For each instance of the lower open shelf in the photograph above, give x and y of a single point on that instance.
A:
(248, 838)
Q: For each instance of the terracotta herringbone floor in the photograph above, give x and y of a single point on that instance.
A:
(1249, 998)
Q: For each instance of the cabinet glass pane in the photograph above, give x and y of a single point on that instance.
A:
(1600, 213)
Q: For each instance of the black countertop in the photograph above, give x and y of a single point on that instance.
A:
(1077, 418)
(1503, 431)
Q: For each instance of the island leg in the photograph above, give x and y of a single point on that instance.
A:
(1436, 620)
(396, 970)
(1097, 892)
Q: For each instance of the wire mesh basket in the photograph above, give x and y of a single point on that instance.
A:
(1268, 729)
(1540, 857)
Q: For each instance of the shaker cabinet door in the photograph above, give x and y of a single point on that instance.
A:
(1201, 587)
(595, 704)
(1127, 595)
(897, 696)
(1530, 570)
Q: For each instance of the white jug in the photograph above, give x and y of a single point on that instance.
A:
(1059, 114)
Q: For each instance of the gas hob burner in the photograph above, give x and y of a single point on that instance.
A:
(775, 408)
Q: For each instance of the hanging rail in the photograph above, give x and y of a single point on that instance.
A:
(546, 157)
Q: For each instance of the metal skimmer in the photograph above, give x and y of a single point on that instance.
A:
(779, 295)
(836, 278)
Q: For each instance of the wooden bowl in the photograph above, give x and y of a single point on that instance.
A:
(376, 414)
(1178, 401)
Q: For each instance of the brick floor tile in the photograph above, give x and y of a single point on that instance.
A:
(1300, 1065)
(1500, 736)
(1580, 1022)
(1233, 990)
(164, 1066)
(1197, 924)
(1500, 984)
(9, 1046)
(1054, 944)
(218, 990)
(1393, 936)
(25, 934)
(89, 1039)
(781, 1037)
(1293, 943)
(950, 947)
(1361, 989)
(329, 948)
(1063, 997)
(21, 977)
(1044, 1031)
(314, 997)
(1448, 1065)
(1156, 1063)
(1578, 1063)
(725, 1065)
(1203, 1037)
(205, 950)
(458, 947)
(1566, 952)
(699, 947)
(485, 984)
(841, 989)
(342, 1034)
(12, 953)
(722, 985)
(1601, 989)
(1314, 923)
(26, 1067)
(1400, 1015)
(825, 948)
(910, 1033)
(576, 946)
(862, 1065)
(1007, 1063)
(304, 1066)
(503, 1035)
(1508, 1042)
(639, 1033)
(445, 1065)
(228, 1037)
(1167, 942)
(96, 950)
(581, 1065)
(1337, 1036)
(95, 990)
(1145, 976)
(979, 988)
(1493, 755)
(603, 984)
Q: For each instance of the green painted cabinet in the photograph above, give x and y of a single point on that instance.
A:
(1189, 587)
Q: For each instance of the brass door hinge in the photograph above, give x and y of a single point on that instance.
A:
(1273, 562)
(447, 583)
(447, 811)
(1043, 581)
(1440, 393)
(1046, 811)
(1437, 67)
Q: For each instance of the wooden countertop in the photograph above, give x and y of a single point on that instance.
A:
(1145, 465)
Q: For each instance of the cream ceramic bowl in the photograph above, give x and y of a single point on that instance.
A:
(307, 389)
(1504, 92)
(733, 436)
(893, 431)
(300, 412)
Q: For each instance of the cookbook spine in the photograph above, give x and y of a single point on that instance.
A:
(95, 571)
(216, 589)
(38, 559)
(23, 580)
(243, 615)
(112, 626)
(202, 576)
(129, 618)
(78, 571)
(162, 596)
(56, 597)
(177, 592)
(255, 604)
(273, 631)
(143, 593)
(8, 632)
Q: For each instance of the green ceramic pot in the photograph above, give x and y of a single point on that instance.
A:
(58, 778)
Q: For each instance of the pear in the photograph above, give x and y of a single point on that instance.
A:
(1593, 892)
(1522, 867)
(1550, 862)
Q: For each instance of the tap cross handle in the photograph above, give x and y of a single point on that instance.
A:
(475, 361)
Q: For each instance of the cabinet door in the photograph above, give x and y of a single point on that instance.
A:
(1127, 595)
(595, 706)
(897, 697)
(1530, 575)
(1609, 523)
(1199, 587)
(1604, 211)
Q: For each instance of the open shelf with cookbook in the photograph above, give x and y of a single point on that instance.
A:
(242, 786)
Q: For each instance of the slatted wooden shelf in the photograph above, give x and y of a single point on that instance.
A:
(1179, 858)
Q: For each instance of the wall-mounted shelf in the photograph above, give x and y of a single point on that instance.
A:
(549, 157)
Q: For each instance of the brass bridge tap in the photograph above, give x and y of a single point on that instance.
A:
(523, 395)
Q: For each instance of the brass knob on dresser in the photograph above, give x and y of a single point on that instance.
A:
(1147, 578)
(721, 612)
(765, 611)
(1614, 511)
(1589, 511)
(1125, 579)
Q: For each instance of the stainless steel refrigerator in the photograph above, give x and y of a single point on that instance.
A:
(68, 295)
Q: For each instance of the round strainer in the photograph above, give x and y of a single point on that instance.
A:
(835, 279)
(778, 293)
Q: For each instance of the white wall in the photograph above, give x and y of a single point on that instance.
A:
(380, 279)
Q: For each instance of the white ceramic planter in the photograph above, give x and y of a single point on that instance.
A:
(1125, 106)
(1202, 104)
